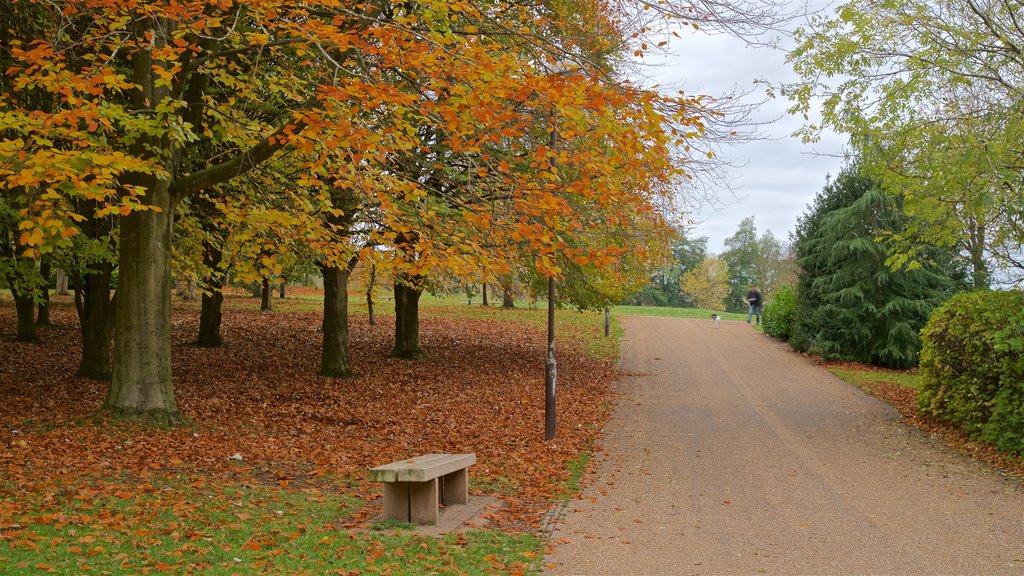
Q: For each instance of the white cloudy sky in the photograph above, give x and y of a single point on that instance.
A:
(774, 178)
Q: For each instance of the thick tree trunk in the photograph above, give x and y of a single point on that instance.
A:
(25, 306)
(407, 322)
(212, 299)
(508, 299)
(24, 303)
(266, 296)
(485, 294)
(141, 386)
(62, 282)
(43, 310)
(96, 310)
(210, 319)
(334, 359)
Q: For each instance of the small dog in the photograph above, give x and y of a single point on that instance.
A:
(717, 319)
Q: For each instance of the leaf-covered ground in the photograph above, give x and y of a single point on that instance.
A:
(272, 474)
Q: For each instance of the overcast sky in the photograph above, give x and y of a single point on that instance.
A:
(774, 178)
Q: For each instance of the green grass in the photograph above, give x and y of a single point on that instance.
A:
(676, 312)
(577, 467)
(183, 526)
(861, 377)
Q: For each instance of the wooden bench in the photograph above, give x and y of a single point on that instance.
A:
(414, 488)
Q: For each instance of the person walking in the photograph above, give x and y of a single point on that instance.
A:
(754, 302)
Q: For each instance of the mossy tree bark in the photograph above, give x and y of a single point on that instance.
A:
(141, 386)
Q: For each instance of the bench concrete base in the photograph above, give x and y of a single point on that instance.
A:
(414, 488)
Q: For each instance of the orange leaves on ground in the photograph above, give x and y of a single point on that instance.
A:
(263, 417)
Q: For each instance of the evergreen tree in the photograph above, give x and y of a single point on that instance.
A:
(850, 304)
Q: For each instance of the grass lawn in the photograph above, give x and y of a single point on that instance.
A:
(676, 312)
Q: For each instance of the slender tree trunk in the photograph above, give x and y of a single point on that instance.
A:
(141, 386)
(212, 299)
(485, 294)
(407, 321)
(96, 310)
(334, 358)
(281, 289)
(369, 294)
(266, 296)
(43, 310)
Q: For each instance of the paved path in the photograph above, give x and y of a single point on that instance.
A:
(728, 454)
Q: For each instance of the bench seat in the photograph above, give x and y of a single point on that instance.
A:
(413, 488)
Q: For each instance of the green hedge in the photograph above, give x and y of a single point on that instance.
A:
(779, 313)
(972, 367)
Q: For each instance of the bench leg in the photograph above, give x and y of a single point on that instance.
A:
(455, 488)
(396, 501)
(423, 502)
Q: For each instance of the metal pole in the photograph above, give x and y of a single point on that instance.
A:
(552, 367)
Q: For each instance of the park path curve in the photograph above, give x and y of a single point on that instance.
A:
(729, 454)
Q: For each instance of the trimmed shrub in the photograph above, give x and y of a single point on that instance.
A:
(972, 367)
(779, 313)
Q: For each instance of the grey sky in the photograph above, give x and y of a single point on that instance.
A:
(774, 178)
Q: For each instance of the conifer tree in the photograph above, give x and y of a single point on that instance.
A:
(851, 304)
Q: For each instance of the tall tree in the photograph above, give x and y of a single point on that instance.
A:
(930, 93)
(742, 256)
(850, 304)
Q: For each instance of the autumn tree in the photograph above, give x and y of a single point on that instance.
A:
(707, 285)
(155, 103)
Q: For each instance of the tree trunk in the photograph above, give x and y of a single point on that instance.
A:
(485, 294)
(43, 310)
(96, 310)
(62, 282)
(507, 298)
(266, 296)
(210, 319)
(369, 294)
(185, 289)
(141, 387)
(24, 303)
(212, 299)
(334, 359)
(281, 289)
(407, 321)
(25, 306)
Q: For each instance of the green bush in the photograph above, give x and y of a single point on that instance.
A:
(972, 367)
(779, 313)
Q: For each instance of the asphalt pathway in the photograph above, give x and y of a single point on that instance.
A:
(729, 454)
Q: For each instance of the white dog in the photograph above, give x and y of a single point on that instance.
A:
(717, 319)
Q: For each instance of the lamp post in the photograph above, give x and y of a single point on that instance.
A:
(551, 365)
